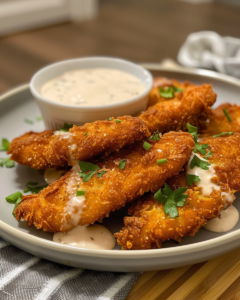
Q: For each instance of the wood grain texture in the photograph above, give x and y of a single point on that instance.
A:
(218, 278)
(139, 30)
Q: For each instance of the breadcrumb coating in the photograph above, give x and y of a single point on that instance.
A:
(112, 190)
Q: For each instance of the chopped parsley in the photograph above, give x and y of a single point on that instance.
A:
(169, 91)
(85, 133)
(122, 164)
(192, 178)
(33, 188)
(85, 167)
(201, 148)
(88, 176)
(162, 161)
(7, 162)
(209, 154)
(197, 162)
(155, 136)
(110, 119)
(14, 198)
(166, 92)
(146, 146)
(80, 193)
(66, 127)
(171, 199)
(223, 133)
(5, 145)
(100, 174)
(227, 115)
(118, 121)
(28, 121)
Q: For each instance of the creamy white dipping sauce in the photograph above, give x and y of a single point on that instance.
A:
(226, 221)
(88, 237)
(92, 87)
(52, 174)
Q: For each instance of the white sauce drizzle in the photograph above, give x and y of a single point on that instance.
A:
(206, 184)
(91, 87)
(52, 174)
(88, 237)
(226, 221)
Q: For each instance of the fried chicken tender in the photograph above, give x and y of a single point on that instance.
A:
(192, 106)
(46, 149)
(218, 122)
(161, 82)
(57, 209)
(149, 226)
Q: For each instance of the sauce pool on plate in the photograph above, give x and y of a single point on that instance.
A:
(92, 87)
(88, 237)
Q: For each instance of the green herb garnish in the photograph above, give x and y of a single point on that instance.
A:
(146, 146)
(100, 174)
(81, 174)
(5, 145)
(209, 154)
(201, 148)
(39, 118)
(167, 92)
(155, 136)
(7, 162)
(162, 161)
(227, 115)
(110, 119)
(28, 121)
(85, 133)
(192, 178)
(66, 127)
(80, 193)
(197, 162)
(88, 176)
(171, 199)
(118, 121)
(33, 188)
(13, 197)
(223, 133)
(85, 167)
(16, 204)
(122, 164)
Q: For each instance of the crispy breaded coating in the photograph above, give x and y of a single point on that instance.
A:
(190, 106)
(46, 149)
(218, 122)
(149, 226)
(161, 82)
(56, 209)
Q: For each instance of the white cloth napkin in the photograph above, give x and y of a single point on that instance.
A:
(207, 49)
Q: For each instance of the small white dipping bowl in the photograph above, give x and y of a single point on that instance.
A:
(55, 114)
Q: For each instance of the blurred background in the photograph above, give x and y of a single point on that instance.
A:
(34, 33)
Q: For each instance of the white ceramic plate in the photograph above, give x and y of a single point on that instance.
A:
(17, 105)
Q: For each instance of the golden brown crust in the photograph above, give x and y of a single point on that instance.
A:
(160, 82)
(218, 122)
(45, 150)
(149, 227)
(116, 187)
(190, 106)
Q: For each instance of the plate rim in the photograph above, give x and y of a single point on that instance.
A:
(151, 253)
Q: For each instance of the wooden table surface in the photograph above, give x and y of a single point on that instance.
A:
(142, 31)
